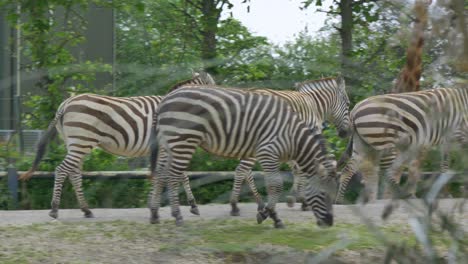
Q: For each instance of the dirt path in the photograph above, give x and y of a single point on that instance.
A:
(343, 213)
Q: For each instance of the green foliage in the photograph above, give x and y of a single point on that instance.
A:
(5, 198)
(204, 161)
(47, 41)
(100, 193)
(336, 145)
(100, 160)
(364, 11)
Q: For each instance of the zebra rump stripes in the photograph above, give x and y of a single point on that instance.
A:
(118, 125)
(241, 124)
(393, 129)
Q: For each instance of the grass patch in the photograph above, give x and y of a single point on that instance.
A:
(236, 236)
(117, 240)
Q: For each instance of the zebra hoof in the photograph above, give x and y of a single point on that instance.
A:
(304, 207)
(235, 212)
(88, 213)
(154, 218)
(387, 211)
(290, 200)
(261, 217)
(53, 214)
(279, 224)
(194, 210)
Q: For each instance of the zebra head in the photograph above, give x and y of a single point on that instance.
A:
(332, 100)
(340, 108)
(319, 192)
(318, 173)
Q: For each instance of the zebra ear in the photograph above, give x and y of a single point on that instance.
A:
(208, 78)
(340, 81)
(194, 74)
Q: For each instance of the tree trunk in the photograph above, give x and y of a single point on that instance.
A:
(210, 17)
(458, 6)
(346, 33)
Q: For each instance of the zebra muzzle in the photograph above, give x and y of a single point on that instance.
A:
(325, 221)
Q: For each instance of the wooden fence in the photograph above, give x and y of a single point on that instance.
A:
(197, 178)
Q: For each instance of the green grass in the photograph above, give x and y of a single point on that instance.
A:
(214, 238)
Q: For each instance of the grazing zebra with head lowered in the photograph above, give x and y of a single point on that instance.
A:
(392, 129)
(241, 124)
(315, 101)
(118, 125)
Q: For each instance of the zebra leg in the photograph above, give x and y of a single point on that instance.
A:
(392, 176)
(385, 163)
(346, 174)
(274, 184)
(444, 167)
(178, 162)
(393, 173)
(154, 198)
(414, 175)
(274, 187)
(258, 198)
(60, 176)
(291, 198)
(190, 198)
(300, 192)
(243, 171)
(77, 182)
(158, 182)
(71, 166)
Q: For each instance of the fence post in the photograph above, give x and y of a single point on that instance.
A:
(13, 185)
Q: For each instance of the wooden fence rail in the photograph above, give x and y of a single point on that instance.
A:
(197, 178)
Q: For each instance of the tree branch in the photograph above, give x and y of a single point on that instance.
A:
(337, 28)
(189, 16)
(364, 1)
(327, 12)
(196, 5)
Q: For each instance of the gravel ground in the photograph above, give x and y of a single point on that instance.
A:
(343, 213)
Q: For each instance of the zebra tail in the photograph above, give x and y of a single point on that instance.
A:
(50, 134)
(346, 154)
(154, 147)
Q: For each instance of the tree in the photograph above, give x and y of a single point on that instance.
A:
(350, 12)
(47, 40)
(208, 27)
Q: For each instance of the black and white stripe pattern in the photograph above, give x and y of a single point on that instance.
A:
(118, 125)
(393, 129)
(315, 101)
(241, 124)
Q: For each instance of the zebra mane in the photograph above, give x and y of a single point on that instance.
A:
(309, 85)
(197, 78)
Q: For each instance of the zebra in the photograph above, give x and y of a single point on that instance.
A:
(315, 101)
(118, 125)
(237, 123)
(393, 128)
